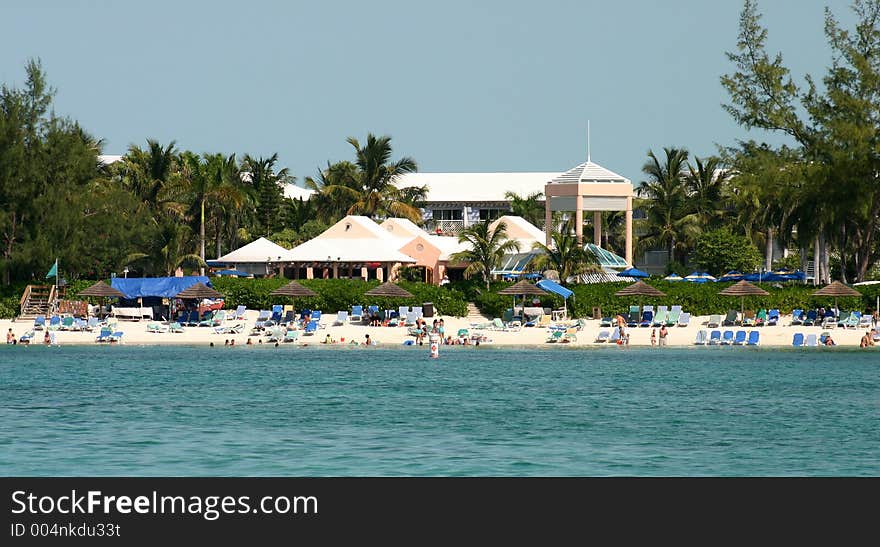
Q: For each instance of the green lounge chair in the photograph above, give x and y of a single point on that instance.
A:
(554, 337)
(175, 327)
(67, 323)
(674, 314)
(660, 318)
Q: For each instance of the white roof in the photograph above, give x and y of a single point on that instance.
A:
(107, 159)
(589, 172)
(465, 187)
(260, 251)
(293, 191)
(517, 224)
(346, 250)
(448, 245)
(402, 227)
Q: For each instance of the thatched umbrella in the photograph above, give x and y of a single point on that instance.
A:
(640, 288)
(197, 292)
(836, 289)
(523, 288)
(743, 289)
(102, 291)
(293, 289)
(389, 290)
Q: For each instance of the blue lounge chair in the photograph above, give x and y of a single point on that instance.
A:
(797, 340)
(605, 322)
(40, 322)
(27, 337)
(104, 335)
(754, 337)
(715, 338)
(357, 314)
(811, 318)
(727, 338)
(117, 336)
(812, 340)
(316, 317)
(193, 320)
(277, 310)
(647, 318)
(54, 323)
(773, 317)
(797, 317)
(341, 318)
(702, 338)
(373, 310)
(740, 338)
(262, 318)
(310, 328)
(602, 337)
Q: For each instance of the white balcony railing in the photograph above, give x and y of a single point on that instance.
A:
(446, 227)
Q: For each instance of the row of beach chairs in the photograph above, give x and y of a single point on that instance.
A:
(748, 319)
(665, 316)
(727, 338)
(68, 323)
(403, 316)
(847, 319)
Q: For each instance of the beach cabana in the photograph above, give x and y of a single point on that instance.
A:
(556, 288)
(293, 290)
(524, 289)
(103, 291)
(743, 289)
(640, 288)
(836, 290)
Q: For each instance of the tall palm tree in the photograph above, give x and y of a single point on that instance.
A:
(487, 248)
(336, 190)
(666, 207)
(268, 183)
(529, 207)
(167, 250)
(149, 171)
(706, 184)
(565, 255)
(373, 192)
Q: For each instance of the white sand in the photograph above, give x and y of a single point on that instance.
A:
(136, 334)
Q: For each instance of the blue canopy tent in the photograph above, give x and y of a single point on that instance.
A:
(138, 288)
(556, 288)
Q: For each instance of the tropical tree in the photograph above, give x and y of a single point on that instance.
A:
(565, 255)
(668, 221)
(149, 173)
(706, 186)
(267, 182)
(487, 248)
(530, 207)
(167, 251)
(336, 190)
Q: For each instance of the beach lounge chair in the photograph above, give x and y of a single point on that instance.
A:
(229, 329)
(647, 318)
(411, 318)
(761, 318)
(27, 337)
(674, 314)
(239, 313)
(40, 322)
(773, 317)
(418, 311)
(812, 340)
(797, 340)
(740, 338)
(555, 336)
(291, 336)
(754, 337)
(715, 338)
(684, 319)
(605, 322)
(702, 338)
(262, 318)
(569, 336)
(54, 323)
(829, 322)
(633, 318)
(310, 329)
(661, 316)
(341, 318)
(615, 336)
(104, 335)
(67, 323)
(277, 311)
(714, 321)
(865, 321)
(156, 327)
(810, 318)
(853, 321)
(79, 325)
(797, 317)
(731, 319)
(462, 334)
(727, 338)
(275, 335)
(117, 336)
(194, 319)
(316, 317)
(602, 337)
(748, 319)
(92, 323)
(288, 319)
(175, 327)
(823, 337)
(402, 311)
(357, 314)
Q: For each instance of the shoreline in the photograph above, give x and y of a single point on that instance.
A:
(778, 336)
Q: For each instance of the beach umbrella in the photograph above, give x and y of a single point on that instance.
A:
(743, 289)
(236, 273)
(102, 291)
(292, 290)
(673, 277)
(389, 290)
(633, 272)
(197, 292)
(640, 288)
(699, 277)
(523, 288)
(836, 289)
(732, 275)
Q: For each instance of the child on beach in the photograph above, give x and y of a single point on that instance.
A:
(10, 337)
(653, 337)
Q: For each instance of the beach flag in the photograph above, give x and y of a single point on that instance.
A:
(54, 271)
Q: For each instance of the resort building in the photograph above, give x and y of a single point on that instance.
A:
(256, 258)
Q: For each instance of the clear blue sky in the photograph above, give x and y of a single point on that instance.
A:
(459, 85)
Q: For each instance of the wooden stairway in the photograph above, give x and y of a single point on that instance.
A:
(36, 300)
(474, 315)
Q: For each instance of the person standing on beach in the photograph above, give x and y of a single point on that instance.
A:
(663, 334)
(10, 337)
(653, 337)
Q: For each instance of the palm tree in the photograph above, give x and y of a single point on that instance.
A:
(668, 222)
(149, 172)
(487, 248)
(706, 184)
(529, 207)
(565, 255)
(336, 190)
(371, 190)
(268, 184)
(167, 250)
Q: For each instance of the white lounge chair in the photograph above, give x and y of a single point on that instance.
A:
(341, 318)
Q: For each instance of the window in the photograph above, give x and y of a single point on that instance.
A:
(447, 214)
(491, 214)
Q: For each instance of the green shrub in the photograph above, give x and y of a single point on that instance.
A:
(719, 251)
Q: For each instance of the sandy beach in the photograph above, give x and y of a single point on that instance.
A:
(136, 333)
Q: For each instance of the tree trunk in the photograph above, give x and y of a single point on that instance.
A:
(202, 230)
(825, 258)
(10, 239)
(817, 262)
(867, 243)
(843, 253)
(768, 262)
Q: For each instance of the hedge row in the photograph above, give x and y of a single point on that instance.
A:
(697, 299)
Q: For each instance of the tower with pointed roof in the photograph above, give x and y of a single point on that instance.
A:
(590, 187)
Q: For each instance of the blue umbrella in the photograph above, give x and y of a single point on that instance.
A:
(237, 273)
(632, 272)
(732, 275)
(673, 277)
(699, 277)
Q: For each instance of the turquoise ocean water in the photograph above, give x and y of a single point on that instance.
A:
(195, 411)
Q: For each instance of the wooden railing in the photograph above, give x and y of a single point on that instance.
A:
(24, 297)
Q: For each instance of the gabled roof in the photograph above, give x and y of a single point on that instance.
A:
(402, 227)
(330, 249)
(259, 251)
(589, 172)
(293, 191)
(475, 187)
(520, 229)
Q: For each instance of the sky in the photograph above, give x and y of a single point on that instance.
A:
(460, 86)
